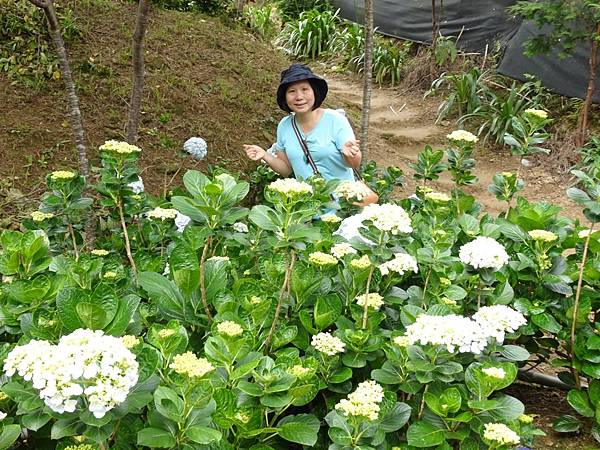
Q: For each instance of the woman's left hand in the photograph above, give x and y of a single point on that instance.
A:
(351, 149)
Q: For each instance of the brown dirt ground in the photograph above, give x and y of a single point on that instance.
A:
(210, 78)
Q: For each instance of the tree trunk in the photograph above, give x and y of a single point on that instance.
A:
(138, 70)
(74, 111)
(239, 7)
(368, 80)
(582, 123)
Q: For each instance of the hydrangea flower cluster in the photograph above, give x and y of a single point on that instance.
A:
(62, 175)
(190, 365)
(494, 372)
(483, 253)
(240, 227)
(196, 147)
(119, 147)
(327, 344)
(464, 334)
(437, 197)
(39, 216)
(322, 259)
(462, 136)
(500, 434)
(401, 341)
(496, 320)
(542, 235)
(331, 218)
(299, 371)
(540, 113)
(372, 299)
(181, 221)
(401, 264)
(352, 190)
(290, 187)
(361, 263)
(363, 402)
(163, 214)
(137, 186)
(229, 328)
(83, 363)
(388, 217)
(342, 249)
(99, 252)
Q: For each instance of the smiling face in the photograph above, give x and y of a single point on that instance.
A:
(300, 97)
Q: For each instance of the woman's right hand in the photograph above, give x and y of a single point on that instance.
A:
(254, 152)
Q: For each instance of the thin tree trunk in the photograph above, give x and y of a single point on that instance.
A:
(74, 111)
(368, 80)
(582, 125)
(138, 70)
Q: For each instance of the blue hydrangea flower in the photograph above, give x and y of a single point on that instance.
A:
(196, 147)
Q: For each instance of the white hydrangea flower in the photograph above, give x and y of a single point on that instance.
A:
(62, 175)
(39, 216)
(2, 415)
(85, 363)
(437, 197)
(388, 217)
(542, 235)
(363, 402)
(584, 233)
(119, 147)
(290, 187)
(181, 221)
(342, 249)
(373, 300)
(537, 113)
(483, 253)
(190, 365)
(322, 259)
(496, 320)
(196, 147)
(331, 218)
(401, 264)
(350, 227)
(230, 328)
(500, 434)
(402, 341)
(162, 214)
(462, 136)
(328, 344)
(456, 333)
(361, 263)
(99, 252)
(240, 227)
(137, 186)
(352, 190)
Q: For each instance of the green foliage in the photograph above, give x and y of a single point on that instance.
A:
(27, 54)
(291, 10)
(389, 57)
(383, 182)
(310, 35)
(262, 20)
(428, 165)
(590, 157)
(205, 6)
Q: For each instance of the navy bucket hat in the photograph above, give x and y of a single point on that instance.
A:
(300, 72)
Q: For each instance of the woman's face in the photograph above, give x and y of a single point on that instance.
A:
(300, 97)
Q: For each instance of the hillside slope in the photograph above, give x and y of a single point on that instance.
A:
(204, 78)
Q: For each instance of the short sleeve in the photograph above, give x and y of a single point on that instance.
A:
(342, 131)
(279, 145)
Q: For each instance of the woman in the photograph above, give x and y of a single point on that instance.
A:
(328, 135)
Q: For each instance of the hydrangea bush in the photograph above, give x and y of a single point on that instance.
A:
(197, 322)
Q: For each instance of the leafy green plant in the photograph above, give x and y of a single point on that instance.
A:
(310, 35)
(291, 10)
(428, 165)
(26, 51)
(262, 20)
(206, 6)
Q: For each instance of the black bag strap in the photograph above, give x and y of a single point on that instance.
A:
(309, 158)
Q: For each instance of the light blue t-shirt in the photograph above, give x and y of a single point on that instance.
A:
(324, 141)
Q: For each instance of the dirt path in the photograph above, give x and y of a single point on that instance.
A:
(402, 123)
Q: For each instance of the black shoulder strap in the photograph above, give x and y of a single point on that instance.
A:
(309, 158)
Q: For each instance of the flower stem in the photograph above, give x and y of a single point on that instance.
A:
(366, 307)
(126, 235)
(425, 285)
(202, 281)
(576, 308)
(289, 262)
(72, 233)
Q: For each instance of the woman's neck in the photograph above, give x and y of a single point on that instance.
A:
(308, 120)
